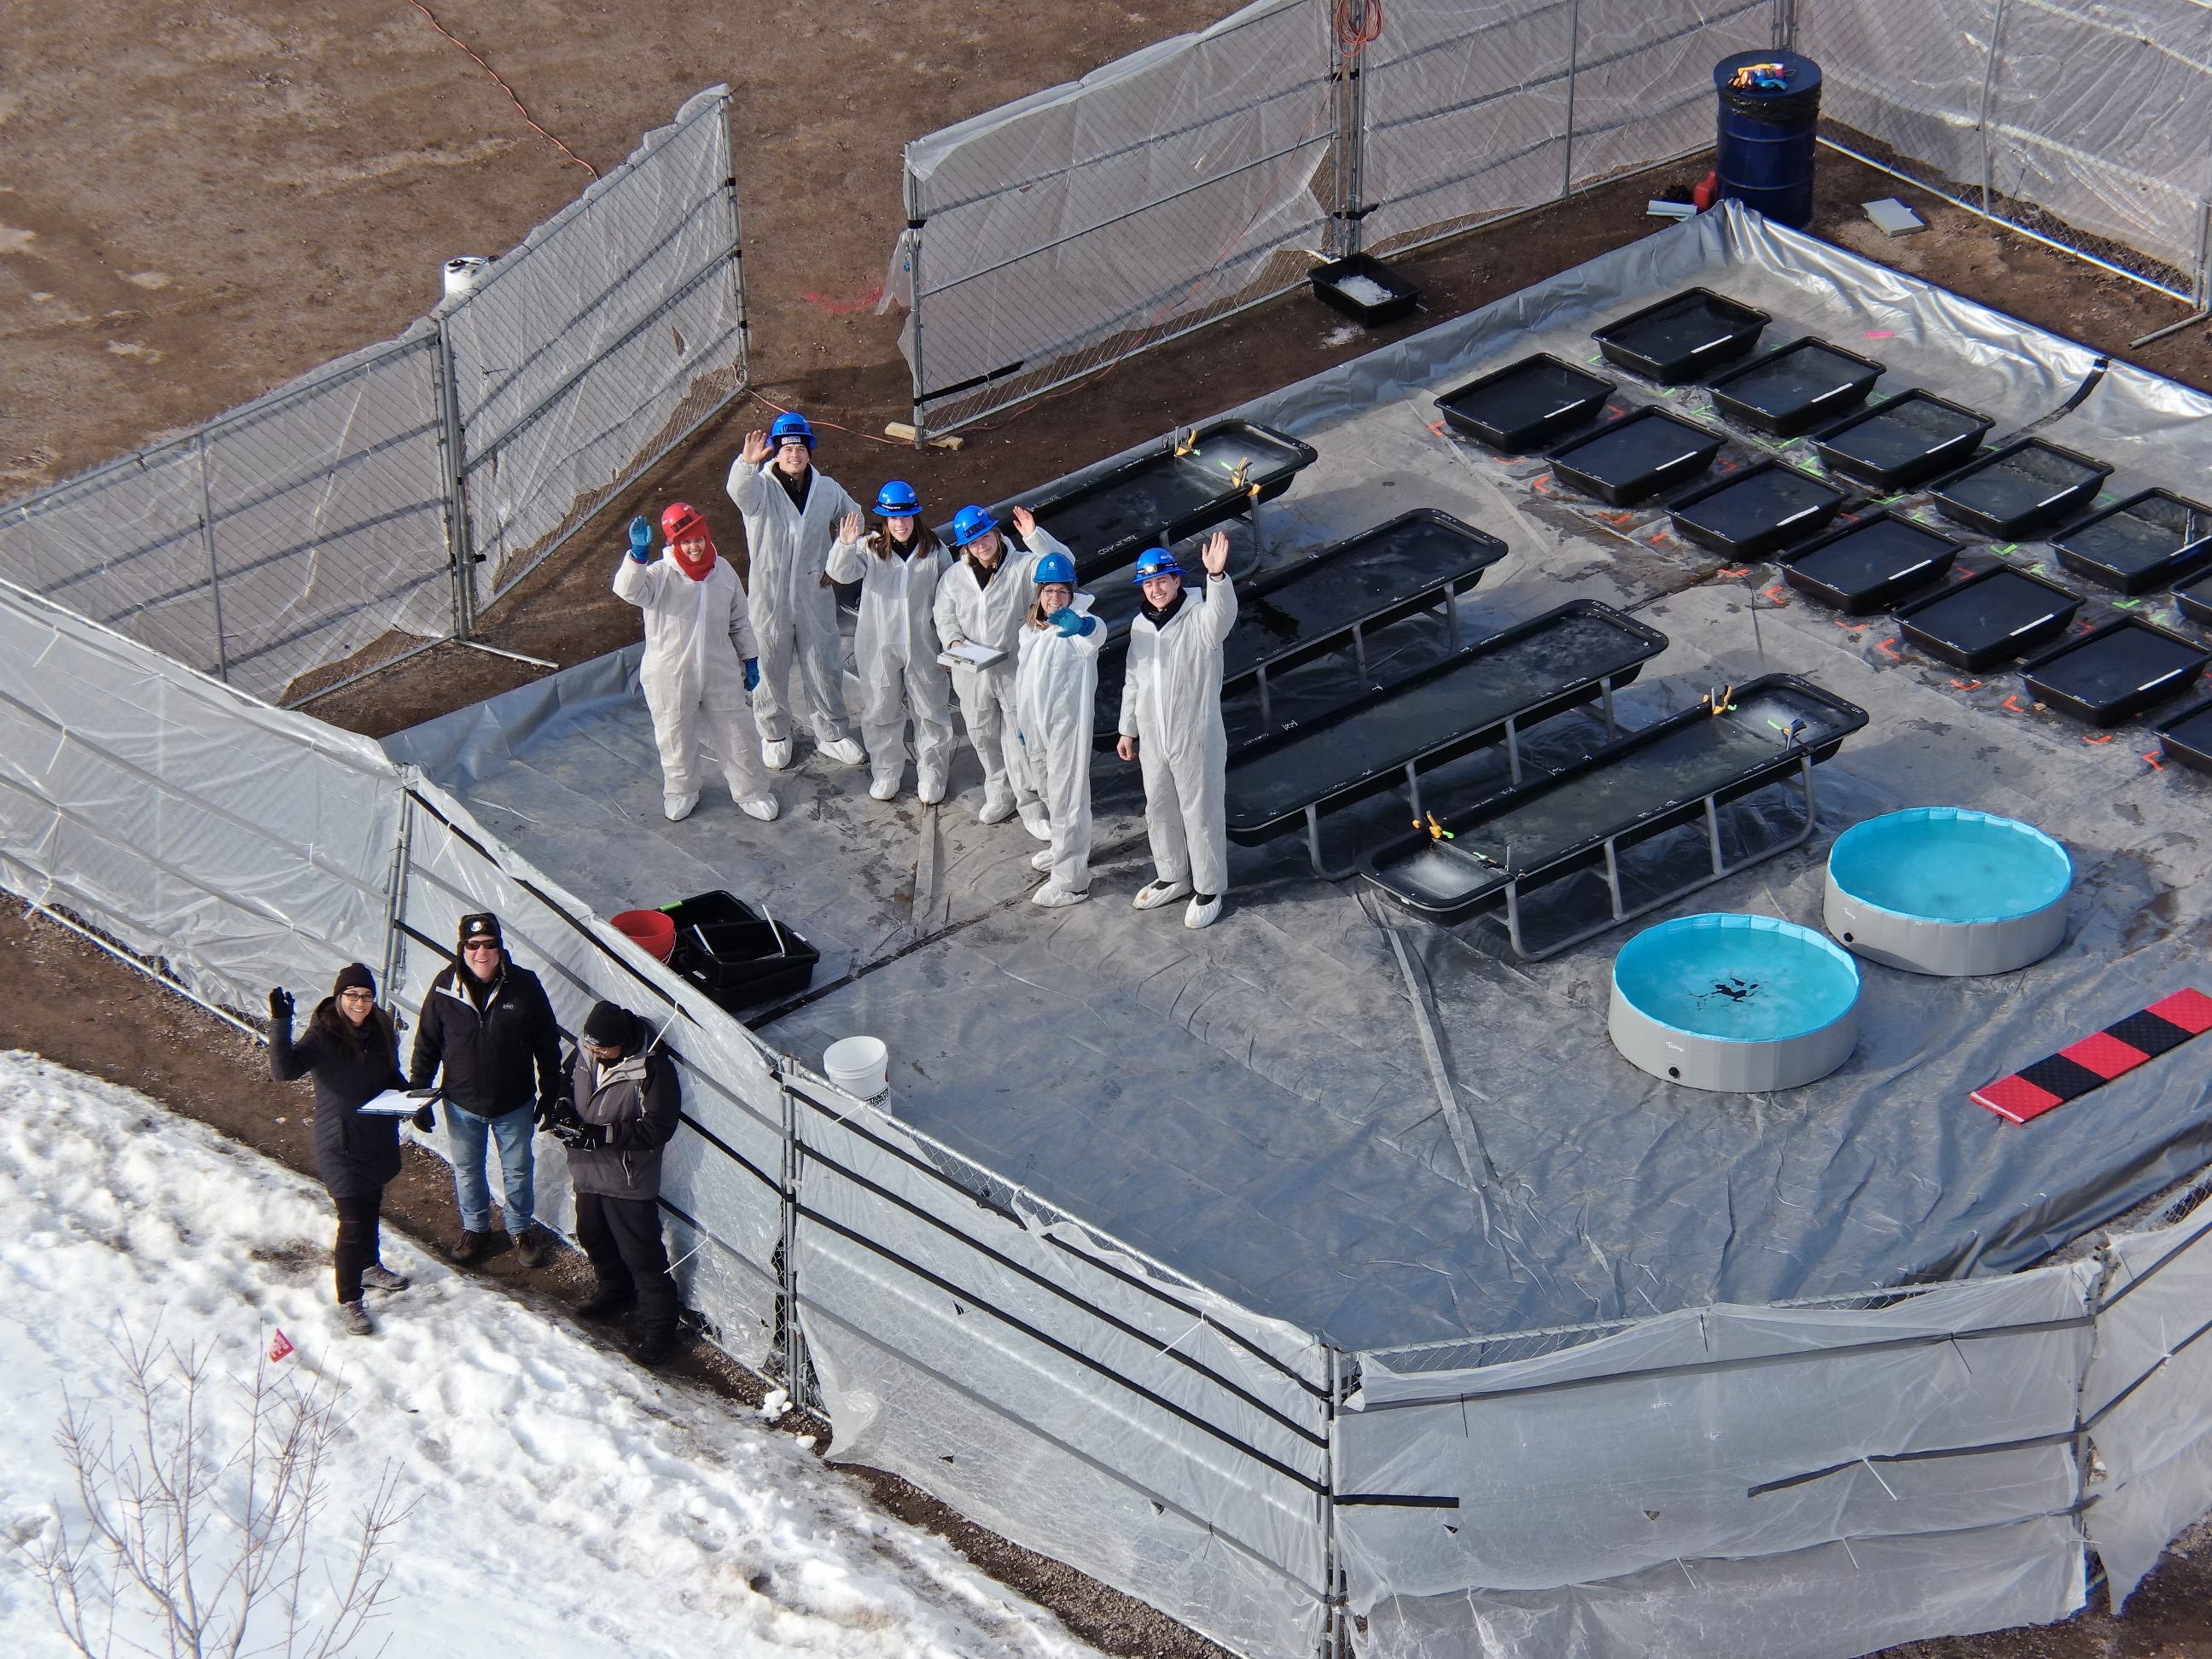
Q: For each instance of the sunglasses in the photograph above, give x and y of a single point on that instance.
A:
(476, 946)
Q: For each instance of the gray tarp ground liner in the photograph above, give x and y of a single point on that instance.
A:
(1252, 1103)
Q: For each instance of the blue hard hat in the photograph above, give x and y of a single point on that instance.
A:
(896, 500)
(1156, 562)
(790, 425)
(970, 523)
(1054, 568)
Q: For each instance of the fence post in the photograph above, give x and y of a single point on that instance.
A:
(1574, 60)
(395, 935)
(795, 1364)
(738, 256)
(915, 221)
(1988, 81)
(460, 543)
(2201, 289)
(1347, 94)
(1336, 1637)
(215, 575)
(1785, 25)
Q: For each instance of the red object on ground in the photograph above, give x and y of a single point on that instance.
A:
(652, 931)
(1707, 191)
(2098, 1059)
(280, 1348)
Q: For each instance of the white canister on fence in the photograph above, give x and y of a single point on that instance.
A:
(464, 273)
(861, 1066)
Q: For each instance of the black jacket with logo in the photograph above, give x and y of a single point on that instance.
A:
(495, 1062)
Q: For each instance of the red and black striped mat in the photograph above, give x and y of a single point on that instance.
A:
(2096, 1061)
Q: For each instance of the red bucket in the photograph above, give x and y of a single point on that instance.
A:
(652, 931)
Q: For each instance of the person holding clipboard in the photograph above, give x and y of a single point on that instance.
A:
(352, 1053)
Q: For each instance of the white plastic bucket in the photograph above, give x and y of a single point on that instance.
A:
(861, 1066)
(464, 273)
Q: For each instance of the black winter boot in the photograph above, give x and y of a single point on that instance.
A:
(653, 1348)
(607, 1302)
(533, 1248)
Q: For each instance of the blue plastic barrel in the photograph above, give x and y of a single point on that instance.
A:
(1770, 115)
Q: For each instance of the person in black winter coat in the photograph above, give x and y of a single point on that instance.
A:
(488, 1035)
(352, 1053)
(626, 1102)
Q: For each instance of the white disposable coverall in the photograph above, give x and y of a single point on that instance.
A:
(991, 616)
(698, 635)
(1171, 705)
(1055, 694)
(794, 613)
(895, 647)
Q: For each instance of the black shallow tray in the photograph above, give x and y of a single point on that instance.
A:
(1682, 336)
(1636, 456)
(1525, 405)
(736, 956)
(2195, 600)
(1870, 564)
(1988, 619)
(1902, 441)
(2020, 488)
(1370, 579)
(2147, 542)
(1402, 299)
(1758, 511)
(1795, 387)
(1157, 498)
(2113, 673)
(1634, 787)
(1526, 673)
(2187, 737)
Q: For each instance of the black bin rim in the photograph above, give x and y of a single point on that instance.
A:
(1763, 420)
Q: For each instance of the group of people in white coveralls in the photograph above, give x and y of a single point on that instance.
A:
(709, 644)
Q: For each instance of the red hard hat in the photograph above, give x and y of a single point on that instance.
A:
(681, 518)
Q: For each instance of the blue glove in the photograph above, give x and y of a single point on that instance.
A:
(1069, 622)
(752, 673)
(641, 540)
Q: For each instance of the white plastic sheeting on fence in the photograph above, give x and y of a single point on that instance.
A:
(1115, 1417)
(2093, 114)
(2148, 1399)
(1066, 228)
(1531, 1496)
(238, 845)
(290, 533)
(614, 329)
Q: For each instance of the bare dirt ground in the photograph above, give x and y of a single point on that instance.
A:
(199, 204)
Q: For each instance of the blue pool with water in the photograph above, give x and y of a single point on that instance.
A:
(1946, 864)
(1737, 979)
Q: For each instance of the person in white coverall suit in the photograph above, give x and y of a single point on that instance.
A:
(896, 646)
(792, 513)
(1171, 724)
(1055, 696)
(699, 660)
(982, 600)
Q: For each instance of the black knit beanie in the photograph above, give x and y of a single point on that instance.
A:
(352, 976)
(611, 1026)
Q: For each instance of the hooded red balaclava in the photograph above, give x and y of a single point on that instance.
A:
(681, 522)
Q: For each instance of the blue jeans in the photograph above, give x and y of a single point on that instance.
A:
(466, 1134)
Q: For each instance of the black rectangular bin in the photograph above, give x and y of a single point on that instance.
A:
(1635, 457)
(1525, 405)
(1683, 336)
(2113, 673)
(1989, 619)
(1870, 564)
(2187, 737)
(1758, 511)
(2149, 541)
(2019, 489)
(734, 954)
(1902, 441)
(1795, 388)
(1395, 297)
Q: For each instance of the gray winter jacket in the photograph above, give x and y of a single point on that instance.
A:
(637, 1109)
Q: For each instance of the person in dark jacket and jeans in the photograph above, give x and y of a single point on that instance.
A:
(488, 1035)
(353, 1054)
(626, 1099)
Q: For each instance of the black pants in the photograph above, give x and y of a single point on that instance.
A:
(357, 1243)
(622, 1235)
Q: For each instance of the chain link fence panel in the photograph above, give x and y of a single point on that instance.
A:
(588, 352)
(1077, 226)
(2062, 118)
